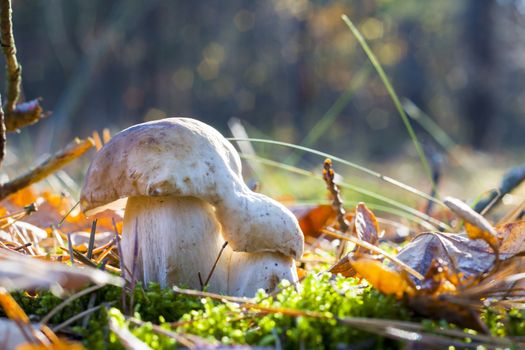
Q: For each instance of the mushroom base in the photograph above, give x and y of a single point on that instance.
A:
(171, 240)
(177, 238)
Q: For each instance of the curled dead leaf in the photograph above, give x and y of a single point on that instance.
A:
(383, 278)
(366, 227)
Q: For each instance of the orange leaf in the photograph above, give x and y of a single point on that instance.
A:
(301, 273)
(384, 279)
(475, 232)
(23, 197)
(11, 307)
(312, 220)
(60, 344)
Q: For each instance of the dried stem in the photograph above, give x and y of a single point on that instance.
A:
(375, 249)
(72, 151)
(21, 115)
(337, 202)
(13, 68)
(68, 301)
(214, 265)
(2, 134)
(24, 114)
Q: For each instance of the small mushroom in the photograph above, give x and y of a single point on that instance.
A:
(181, 185)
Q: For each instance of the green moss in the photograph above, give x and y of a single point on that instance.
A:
(227, 323)
(505, 324)
(341, 297)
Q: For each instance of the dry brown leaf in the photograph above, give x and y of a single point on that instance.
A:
(343, 267)
(313, 218)
(366, 227)
(21, 272)
(512, 237)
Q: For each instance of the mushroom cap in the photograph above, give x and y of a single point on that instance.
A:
(187, 158)
(174, 156)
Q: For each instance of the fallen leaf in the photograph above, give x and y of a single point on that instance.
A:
(366, 227)
(343, 267)
(476, 225)
(512, 236)
(383, 278)
(20, 272)
(313, 218)
(11, 307)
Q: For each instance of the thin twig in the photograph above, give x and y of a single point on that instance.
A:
(23, 114)
(91, 304)
(66, 302)
(121, 262)
(73, 150)
(13, 68)
(375, 249)
(215, 264)
(22, 246)
(126, 338)
(2, 133)
(78, 316)
(182, 339)
(67, 214)
(337, 202)
(134, 279)
(70, 249)
(201, 283)
(91, 245)
(28, 210)
(196, 293)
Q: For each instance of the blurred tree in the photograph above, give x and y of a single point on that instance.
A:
(279, 65)
(479, 104)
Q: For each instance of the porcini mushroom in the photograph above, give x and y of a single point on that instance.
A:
(181, 184)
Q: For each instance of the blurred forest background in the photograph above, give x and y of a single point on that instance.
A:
(289, 69)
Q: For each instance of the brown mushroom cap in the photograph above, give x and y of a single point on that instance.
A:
(184, 157)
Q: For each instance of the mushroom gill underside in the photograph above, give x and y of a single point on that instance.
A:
(171, 240)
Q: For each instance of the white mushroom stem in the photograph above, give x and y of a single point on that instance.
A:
(178, 238)
(249, 272)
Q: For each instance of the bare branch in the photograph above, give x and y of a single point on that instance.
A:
(13, 68)
(16, 116)
(24, 114)
(2, 134)
(73, 150)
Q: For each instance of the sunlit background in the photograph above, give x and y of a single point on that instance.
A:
(290, 70)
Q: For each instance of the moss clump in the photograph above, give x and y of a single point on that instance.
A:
(228, 323)
(341, 297)
(150, 304)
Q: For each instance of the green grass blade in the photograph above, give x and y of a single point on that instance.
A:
(361, 168)
(373, 59)
(357, 189)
